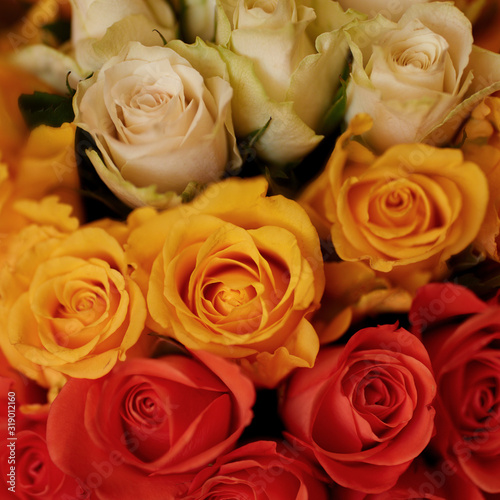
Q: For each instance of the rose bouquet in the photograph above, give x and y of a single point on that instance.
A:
(250, 249)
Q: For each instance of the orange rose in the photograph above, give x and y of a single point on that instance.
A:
(482, 146)
(410, 208)
(235, 273)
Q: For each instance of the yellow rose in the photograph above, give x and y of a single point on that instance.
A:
(482, 146)
(235, 273)
(32, 164)
(67, 303)
(406, 211)
(13, 130)
(44, 166)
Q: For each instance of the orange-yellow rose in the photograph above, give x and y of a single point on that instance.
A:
(235, 273)
(482, 146)
(67, 303)
(406, 211)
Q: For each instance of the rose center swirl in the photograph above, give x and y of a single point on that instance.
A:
(145, 418)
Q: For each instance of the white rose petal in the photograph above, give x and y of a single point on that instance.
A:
(92, 18)
(390, 9)
(100, 28)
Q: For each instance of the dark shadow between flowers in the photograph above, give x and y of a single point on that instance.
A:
(98, 200)
(266, 424)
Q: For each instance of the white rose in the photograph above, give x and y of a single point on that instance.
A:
(418, 77)
(157, 122)
(100, 28)
(284, 60)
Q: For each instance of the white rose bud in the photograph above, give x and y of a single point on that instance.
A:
(284, 60)
(418, 77)
(158, 123)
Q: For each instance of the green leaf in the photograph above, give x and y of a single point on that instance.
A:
(42, 108)
(335, 114)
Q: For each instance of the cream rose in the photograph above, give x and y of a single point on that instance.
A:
(284, 60)
(157, 122)
(418, 77)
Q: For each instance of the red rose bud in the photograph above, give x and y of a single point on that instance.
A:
(140, 431)
(364, 411)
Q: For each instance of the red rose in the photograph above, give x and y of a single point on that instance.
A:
(16, 390)
(419, 481)
(462, 335)
(27, 470)
(364, 410)
(133, 433)
(263, 470)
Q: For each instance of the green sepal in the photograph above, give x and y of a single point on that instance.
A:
(246, 145)
(335, 113)
(192, 190)
(163, 39)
